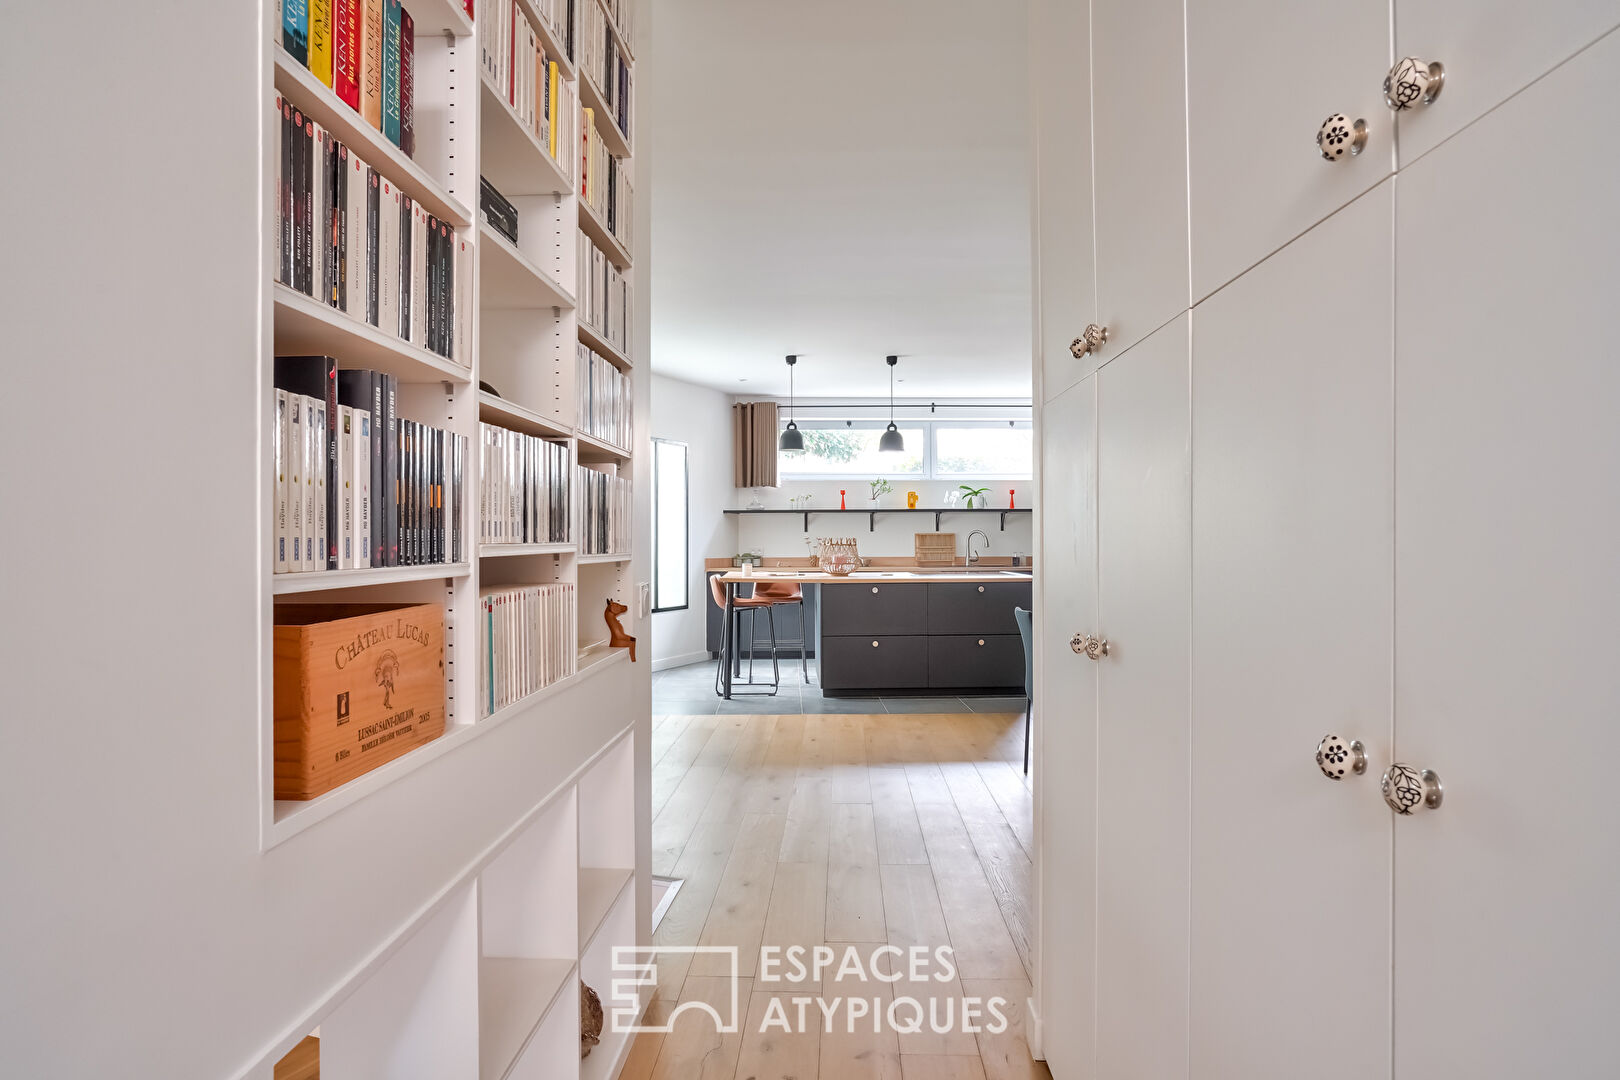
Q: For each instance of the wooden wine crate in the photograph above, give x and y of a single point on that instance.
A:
(356, 685)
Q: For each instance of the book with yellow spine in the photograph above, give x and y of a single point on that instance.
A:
(320, 40)
(551, 97)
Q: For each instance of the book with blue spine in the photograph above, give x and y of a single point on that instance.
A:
(295, 29)
(390, 71)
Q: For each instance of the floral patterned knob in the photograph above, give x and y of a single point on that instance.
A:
(1413, 82)
(1339, 137)
(1408, 790)
(1336, 756)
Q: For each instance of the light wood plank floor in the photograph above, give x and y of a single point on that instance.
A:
(898, 828)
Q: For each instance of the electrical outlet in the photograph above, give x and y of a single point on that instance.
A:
(644, 599)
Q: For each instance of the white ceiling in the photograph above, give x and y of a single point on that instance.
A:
(841, 179)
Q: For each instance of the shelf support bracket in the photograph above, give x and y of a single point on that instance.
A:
(936, 520)
(807, 521)
(871, 524)
(1004, 521)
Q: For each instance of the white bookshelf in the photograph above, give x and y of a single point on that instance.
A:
(496, 960)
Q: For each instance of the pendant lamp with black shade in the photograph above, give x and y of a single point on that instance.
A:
(792, 441)
(892, 442)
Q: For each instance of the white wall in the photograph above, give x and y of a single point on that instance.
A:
(700, 418)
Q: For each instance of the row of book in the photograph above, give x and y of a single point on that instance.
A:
(523, 488)
(604, 510)
(606, 298)
(605, 182)
(622, 12)
(365, 51)
(530, 636)
(606, 65)
(347, 235)
(357, 485)
(604, 399)
(515, 61)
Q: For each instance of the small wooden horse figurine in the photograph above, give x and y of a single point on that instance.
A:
(617, 638)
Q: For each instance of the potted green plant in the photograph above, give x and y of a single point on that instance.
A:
(748, 557)
(880, 487)
(973, 498)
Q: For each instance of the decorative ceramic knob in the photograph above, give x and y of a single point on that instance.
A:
(1413, 82)
(1335, 755)
(1093, 648)
(1091, 341)
(1408, 790)
(1338, 137)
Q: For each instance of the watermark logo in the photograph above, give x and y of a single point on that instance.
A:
(888, 988)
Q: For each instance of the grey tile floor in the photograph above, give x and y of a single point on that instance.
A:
(689, 690)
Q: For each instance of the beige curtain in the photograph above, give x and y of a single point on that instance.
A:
(753, 444)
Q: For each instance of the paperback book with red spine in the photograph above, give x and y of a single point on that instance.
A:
(407, 82)
(347, 35)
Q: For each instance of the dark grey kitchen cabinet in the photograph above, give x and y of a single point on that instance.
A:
(962, 661)
(975, 608)
(874, 662)
(875, 609)
(920, 636)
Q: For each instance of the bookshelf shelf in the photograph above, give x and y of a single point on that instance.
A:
(326, 580)
(509, 414)
(510, 279)
(551, 38)
(612, 558)
(606, 125)
(515, 995)
(319, 101)
(504, 551)
(593, 449)
(599, 345)
(441, 16)
(597, 230)
(304, 325)
(511, 156)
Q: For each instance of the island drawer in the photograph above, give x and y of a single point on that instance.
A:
(873, 662)
(975, 608)
(870, 609)
(988, 660)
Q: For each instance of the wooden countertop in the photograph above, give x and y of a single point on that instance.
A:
(879, 575)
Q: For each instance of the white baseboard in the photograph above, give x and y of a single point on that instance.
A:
(680, 660)
(1032, 1030)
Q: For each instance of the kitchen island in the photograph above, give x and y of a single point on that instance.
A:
(888, 630)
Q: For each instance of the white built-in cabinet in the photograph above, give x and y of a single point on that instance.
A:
(1361, 480)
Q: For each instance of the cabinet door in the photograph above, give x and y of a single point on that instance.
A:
(863, 608)
(1491, 50)
(874, 663)
(1060, 71)
(986, 662)
(1262, 75)
(1143, 601)
(975, 607)
(1507, 949)
(1140, 169)
(1293, 548)
(1064, 757)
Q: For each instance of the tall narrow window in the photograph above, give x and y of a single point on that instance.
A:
(670, 532)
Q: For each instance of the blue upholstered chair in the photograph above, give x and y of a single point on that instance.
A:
(1022, 618)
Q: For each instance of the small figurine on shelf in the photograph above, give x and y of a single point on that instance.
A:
(911, 500)
(841, 505)
(1012, 493)
(617, 638)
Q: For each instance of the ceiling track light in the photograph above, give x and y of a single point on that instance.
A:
(792, 440)
(892, 442)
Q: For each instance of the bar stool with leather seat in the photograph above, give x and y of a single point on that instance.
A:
(750, 606)
(784, 594)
